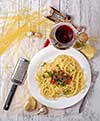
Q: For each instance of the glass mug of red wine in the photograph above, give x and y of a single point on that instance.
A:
(63, 35)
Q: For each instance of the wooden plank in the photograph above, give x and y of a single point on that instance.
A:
(72, 7)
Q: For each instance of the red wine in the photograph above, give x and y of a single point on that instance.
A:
(64, 34)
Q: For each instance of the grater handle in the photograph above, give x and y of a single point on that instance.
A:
(9, 97)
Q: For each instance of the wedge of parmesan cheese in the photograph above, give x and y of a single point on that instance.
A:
(31, 104)
(88, 51)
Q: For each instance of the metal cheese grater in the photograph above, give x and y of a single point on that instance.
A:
(17, 78)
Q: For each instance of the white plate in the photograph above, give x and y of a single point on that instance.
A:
(49, 53)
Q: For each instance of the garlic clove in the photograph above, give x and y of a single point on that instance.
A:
(43, 109)
(83, 37)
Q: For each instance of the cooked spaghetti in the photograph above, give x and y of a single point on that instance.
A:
(61, 77)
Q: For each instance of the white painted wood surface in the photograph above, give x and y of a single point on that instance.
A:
(85, 12)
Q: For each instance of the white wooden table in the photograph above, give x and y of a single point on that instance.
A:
(85, 12)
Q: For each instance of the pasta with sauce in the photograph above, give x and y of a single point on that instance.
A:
(61, 77)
